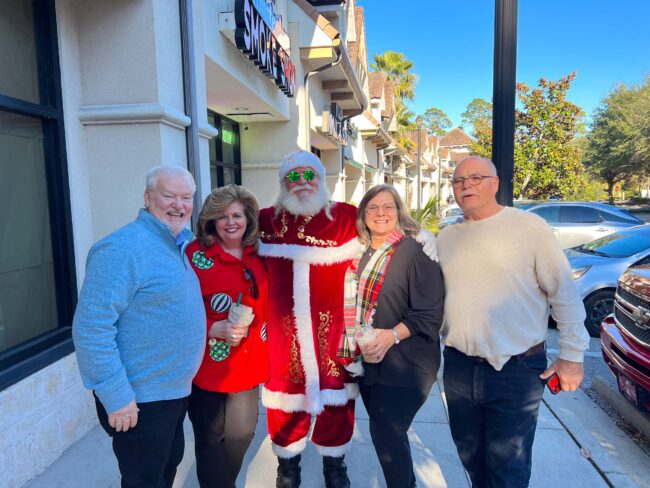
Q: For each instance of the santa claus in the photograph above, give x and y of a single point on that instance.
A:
(308, 242)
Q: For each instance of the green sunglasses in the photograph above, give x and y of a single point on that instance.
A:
(294, 176)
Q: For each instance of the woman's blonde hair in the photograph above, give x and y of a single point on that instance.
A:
(216, 204)
(407, 224)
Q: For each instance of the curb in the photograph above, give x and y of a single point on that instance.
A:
(628, 411)
(618, 460)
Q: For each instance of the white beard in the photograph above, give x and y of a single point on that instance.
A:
(308, 206)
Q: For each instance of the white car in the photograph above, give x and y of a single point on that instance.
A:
(576, 223)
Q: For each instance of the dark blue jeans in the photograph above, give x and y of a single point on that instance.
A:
(493, 415)
(149, 454)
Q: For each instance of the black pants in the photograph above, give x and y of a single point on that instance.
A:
(391, 411)
(493, 416)
(149, 454)
(224, 426)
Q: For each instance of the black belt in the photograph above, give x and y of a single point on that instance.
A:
(536, 349)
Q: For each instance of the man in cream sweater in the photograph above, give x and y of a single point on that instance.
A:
(502, 267)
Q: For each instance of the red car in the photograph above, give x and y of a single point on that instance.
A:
(625, 336)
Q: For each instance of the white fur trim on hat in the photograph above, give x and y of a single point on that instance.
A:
(299, 159)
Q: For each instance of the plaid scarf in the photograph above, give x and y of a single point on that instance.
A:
(361, 292)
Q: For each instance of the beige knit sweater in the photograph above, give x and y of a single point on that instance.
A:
(501, 274)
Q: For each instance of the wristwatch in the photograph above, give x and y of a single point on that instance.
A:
(395, 336)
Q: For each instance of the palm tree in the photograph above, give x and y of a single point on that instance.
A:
(405, 125)
(398, 69)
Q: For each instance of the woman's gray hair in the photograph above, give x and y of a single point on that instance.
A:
(407, 224)
(154, 173)
(216, 204)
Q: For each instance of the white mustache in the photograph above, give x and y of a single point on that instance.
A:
(297, 188)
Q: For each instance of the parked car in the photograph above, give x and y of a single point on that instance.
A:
(625, 336)
(454, 214)
(576, 223)
(598, 264)
(451, 210)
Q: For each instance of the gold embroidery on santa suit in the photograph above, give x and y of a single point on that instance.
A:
(295, 369)
(300, 234)
(329, 367)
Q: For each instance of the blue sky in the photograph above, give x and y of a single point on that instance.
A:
(451, 45)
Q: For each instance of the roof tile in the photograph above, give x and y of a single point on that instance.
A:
(456, 137)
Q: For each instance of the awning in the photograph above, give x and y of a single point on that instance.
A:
(354, 163)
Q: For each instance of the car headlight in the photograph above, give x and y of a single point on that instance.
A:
(579, 272)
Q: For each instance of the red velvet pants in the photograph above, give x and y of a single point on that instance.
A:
(332, 431)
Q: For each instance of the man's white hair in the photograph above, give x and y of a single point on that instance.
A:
(487, 162)
(174, 171)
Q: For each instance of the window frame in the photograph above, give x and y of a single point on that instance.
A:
(574, 209)
(217, 140)
(26, 358)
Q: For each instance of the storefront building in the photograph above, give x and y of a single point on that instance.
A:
(92, 95)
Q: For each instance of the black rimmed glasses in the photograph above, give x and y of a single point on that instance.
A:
(250, 277)
(294, 176)
(471, 180)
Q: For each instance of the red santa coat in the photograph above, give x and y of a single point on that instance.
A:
(306, 259)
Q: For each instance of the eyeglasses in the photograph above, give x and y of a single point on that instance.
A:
(472, 180)
(386, 207)
(294, 176)
(250, 277)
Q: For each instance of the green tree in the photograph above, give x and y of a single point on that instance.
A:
(618, 146)
(405, 125)
(436, 121)
(478, 115)
(548, 161)
(398, 69)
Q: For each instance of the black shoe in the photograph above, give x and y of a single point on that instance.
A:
(288, 472)
(335, 472)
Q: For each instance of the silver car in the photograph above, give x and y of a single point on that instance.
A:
(598, 264)
(575, 223)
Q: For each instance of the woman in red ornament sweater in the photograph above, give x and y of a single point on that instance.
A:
(223, 404)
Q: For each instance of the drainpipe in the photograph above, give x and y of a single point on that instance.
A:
(309, 74)
(189, 94)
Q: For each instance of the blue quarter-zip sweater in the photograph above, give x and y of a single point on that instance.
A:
(139, 327)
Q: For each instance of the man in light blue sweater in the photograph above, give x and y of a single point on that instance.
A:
(139, 331)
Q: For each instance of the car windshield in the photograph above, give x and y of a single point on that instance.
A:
(619, 244)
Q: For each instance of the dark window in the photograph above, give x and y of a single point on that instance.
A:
(225, 156)
(620, 244)
(37, 278)
(550, 214)
(577, 214)
(316, 151)
(625, 219)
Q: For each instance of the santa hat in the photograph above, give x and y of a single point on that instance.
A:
(299, 159)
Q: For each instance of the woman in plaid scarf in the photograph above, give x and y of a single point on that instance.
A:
(400, 293)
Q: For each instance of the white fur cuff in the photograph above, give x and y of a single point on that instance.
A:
(289, 451)
(336, 451)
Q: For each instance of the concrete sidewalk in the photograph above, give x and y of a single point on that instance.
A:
(576, 445)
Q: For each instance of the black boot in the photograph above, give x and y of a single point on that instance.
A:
(336, 472)
(288, 472)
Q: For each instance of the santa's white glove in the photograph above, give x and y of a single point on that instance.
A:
(428, 241)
